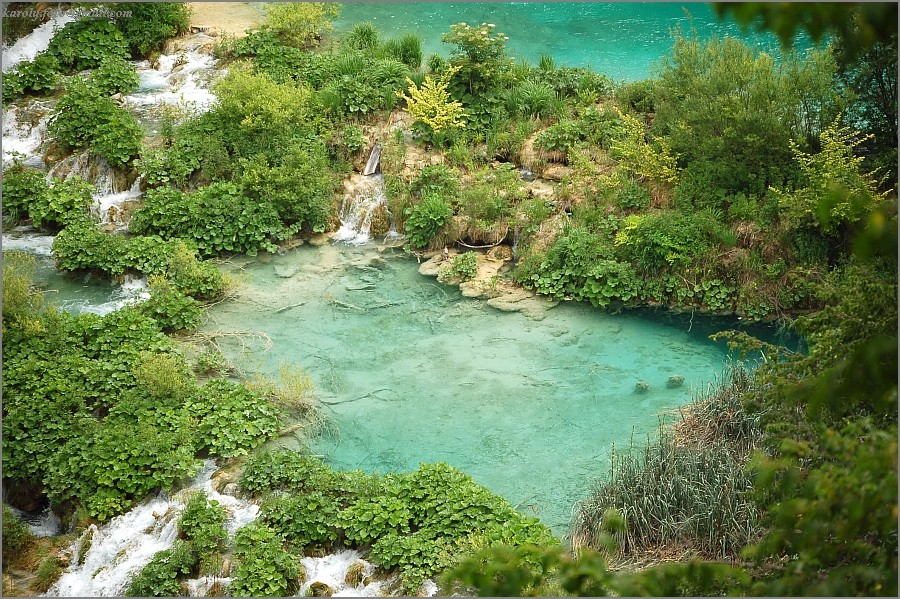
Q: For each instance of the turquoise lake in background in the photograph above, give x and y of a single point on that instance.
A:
(621, 40)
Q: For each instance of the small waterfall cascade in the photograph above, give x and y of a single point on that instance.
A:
(121, 547)
(118, 550)
(44, 524)
(31, 45)
(179, 77)
(364, 212)
(24, 132)
(91, 168)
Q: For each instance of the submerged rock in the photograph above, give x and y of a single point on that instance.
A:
(319, 589)
(675, 381)
(355, 574)
(641, 387)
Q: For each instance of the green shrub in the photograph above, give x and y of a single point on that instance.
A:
(300, 24)
(409, 50)
(22, 186)
(264, 568)
(39, 76)
(530, 99)
(87, 44)
(115, 76)
(216, 218)
(464, 266)
(65, 203)
(301, 187)
(308, 520)
(363, 36)
(285, 470)
(631, 195)
(149, 24)
(662, 240)
(172, 309)
(560, 137)
(231, 419)
(425, 219)
(639, 96)
(159, 578)
(202, 524)
(16, 534)
(86, 247)
(84, 118)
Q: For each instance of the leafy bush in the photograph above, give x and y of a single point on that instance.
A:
(464, 266)
(87, 44)
(300, 24)
(86, 247)
(149, 24)
(172, 309)
(363, 36)
(530, 99)
(216, 218)
(425, 219)
(639, 96)
(560, 137)
(661, 240)
(231, 419)
(433, 106)
(84, 118)
(16, 534)
(22, 186)
(264, 568)
(65, 203)
(202, 524)
(408, 50)
(39, 76)
(159, 578)
(306, 521)
(480, 55)
(115, 76)
(301, 188)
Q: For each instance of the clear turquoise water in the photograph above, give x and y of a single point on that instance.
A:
(410, 372)
(621, 40)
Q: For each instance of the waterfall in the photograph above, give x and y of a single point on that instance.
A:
(364, 212)
(121, 547)
(34, 43)
(22, 135)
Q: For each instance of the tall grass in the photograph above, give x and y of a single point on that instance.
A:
(688, 489)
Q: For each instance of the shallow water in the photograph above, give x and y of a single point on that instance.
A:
(410, 372)
(619, 39)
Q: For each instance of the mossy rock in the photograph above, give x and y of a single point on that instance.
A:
(641, 387)
(319, 589)
(675, 381)
(355, 574)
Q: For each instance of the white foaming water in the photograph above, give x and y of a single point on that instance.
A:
(33, 243)
(124, 545)
(44, 524)
(133, 290)
(23, 137)
(34, 43)
(332, 570)
(109, 208)
(358, 209)
(188, 85)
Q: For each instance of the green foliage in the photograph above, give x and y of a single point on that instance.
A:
(83, 117)
(305, 521)
(480, 55)
(16, 534)
(834, 193)
(530, 99)
(39, 77)
(408, 50)
(151, 23)
(159, 578)
(580, 265)
(202, 524)
(264, 568)
(433, 106)
(87, 44)
(464, 266)
(172, 309)
(65, 203)
(417, 524)
(639, 96)
(300, 24)
(363, 36)
(115, 76)
(300, 188)
(231, 419)
(216, 218)
(657, 241)
(560, 137)
(22, 186)
(425, 219)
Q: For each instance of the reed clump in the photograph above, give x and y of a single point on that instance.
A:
(687, 491)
